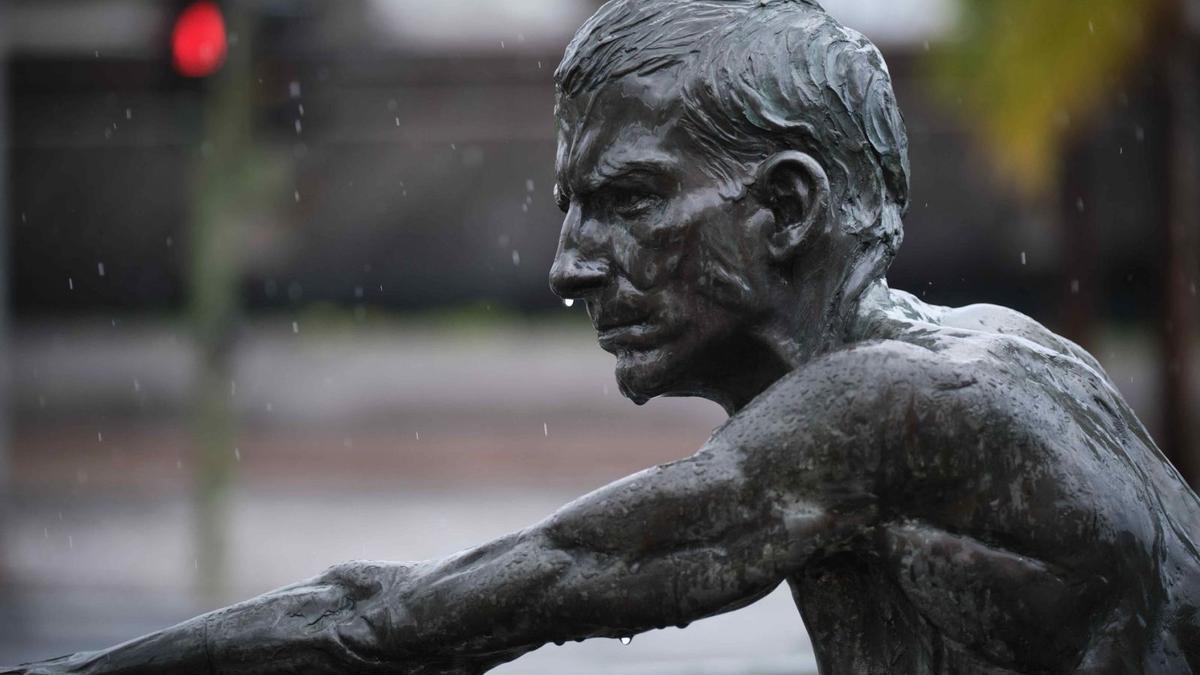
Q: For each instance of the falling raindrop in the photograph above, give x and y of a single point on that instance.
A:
(70, 284)
(237, 454)
(100, 268)
(546, 429)
(516, 258)
(295, 326)
(1023, 258)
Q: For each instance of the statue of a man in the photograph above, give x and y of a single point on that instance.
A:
(945, 490)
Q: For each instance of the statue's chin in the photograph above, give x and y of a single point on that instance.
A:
(642, 376)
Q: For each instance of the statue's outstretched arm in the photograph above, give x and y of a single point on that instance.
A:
(667, 546)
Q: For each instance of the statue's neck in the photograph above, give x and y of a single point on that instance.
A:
(776, 349)
(886, 314)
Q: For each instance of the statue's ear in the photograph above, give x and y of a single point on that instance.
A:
(796, 189)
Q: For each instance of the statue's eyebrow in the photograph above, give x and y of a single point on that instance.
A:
(612, 166)
(608, 172)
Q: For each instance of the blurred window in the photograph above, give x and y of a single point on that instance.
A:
(85, 26)
(896, 22)
(441, 25)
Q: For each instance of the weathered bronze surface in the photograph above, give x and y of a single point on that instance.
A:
(946, 490)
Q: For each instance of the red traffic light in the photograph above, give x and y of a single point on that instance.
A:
(198, 42)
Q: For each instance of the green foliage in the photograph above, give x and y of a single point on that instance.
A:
(1025, 71)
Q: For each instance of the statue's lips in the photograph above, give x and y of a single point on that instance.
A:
(639, 334)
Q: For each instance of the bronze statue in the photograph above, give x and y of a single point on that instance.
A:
(946, 490)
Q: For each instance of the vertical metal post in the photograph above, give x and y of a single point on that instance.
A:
(218, 202)
(4, 300)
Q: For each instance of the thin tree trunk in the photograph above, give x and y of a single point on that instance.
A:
(1081, 247)
(1177, 328)
(4, 300)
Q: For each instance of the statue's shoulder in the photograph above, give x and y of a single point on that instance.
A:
(992, 338)
(875, 371)
(1006, 323)
(856, 390)
(970, 365)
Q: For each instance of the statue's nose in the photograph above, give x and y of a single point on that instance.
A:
(574, 277)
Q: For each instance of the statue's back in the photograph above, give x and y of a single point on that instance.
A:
(1041, 529)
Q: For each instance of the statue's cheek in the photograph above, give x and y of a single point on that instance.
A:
(648, 268)
(655, 253)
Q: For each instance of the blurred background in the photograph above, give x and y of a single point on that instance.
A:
(274, 282)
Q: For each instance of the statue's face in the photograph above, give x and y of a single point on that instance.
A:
(669, 262)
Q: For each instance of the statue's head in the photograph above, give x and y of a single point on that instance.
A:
(734, 173)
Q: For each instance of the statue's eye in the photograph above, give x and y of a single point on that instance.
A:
(632, 203)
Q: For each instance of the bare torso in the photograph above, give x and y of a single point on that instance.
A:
(1048, 536)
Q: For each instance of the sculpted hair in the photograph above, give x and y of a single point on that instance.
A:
(761, 76)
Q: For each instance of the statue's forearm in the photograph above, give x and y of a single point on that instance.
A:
(340, 621)
(345, 620)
